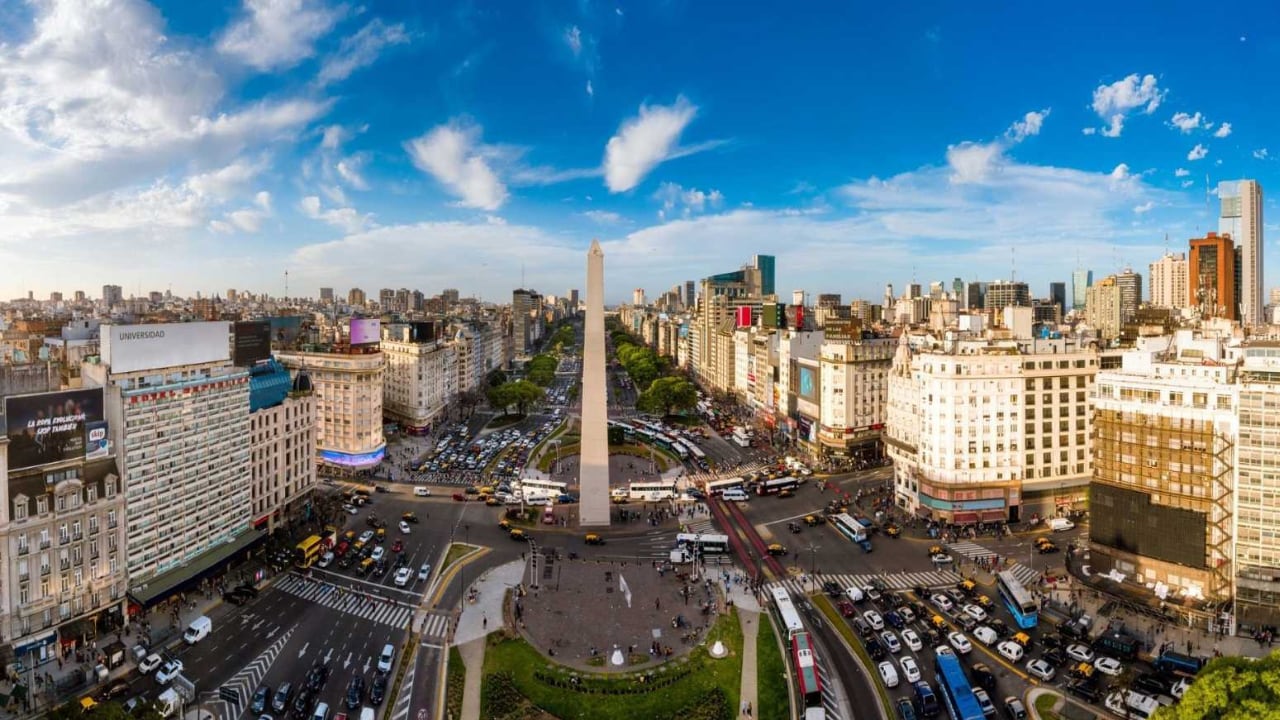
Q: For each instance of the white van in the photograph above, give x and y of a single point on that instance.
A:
(366, 713)
(854, 594)
(1060, 524)
(384, 660)
(421, 492)
(736, 495)
(198, 630)
(321, 712)
(1011, 650)
(985, 635)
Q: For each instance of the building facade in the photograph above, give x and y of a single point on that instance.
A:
(282, 447)
(348, 389)
(854, 387)
(1169, 282)
(1081, 281)
(1257, 548)
(421, 377)
(1212, 274)
(1241, 219)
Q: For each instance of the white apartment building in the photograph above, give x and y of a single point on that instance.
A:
(1241, 218)
(282, 450)
(989, 430)
(1170, 285)
(348, 388)
(63, 570)
(178, 413)
(421, 378)
(854, 387)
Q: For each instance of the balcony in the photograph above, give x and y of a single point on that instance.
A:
(111, 524)
(77, 536)
(44, 569)
(64, 539)
(23, 549)
(23, 577)
(64, 565)
(44, 544)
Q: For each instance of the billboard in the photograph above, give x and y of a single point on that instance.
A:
(365, 331)
(131, 348)
(285, 329)
(1127, 520)
(251, 342)
(743, 315)
(52, 427)
(807, 387)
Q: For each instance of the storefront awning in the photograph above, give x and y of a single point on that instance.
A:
(961, 518)
(182, 578)
(993, 515)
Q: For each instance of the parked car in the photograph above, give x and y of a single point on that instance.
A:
(1076, 651)
(910, 670)
(912, 640)
(1108, 666)
(975, 612)
(166, 674)
(960, 643)
(889, 674)
(984, 702)
(983, 677)
(873, 619)
(846, 608)
(1040, 669)
(261, 698)
(942, 601)
(1014, 708)
(891, 641)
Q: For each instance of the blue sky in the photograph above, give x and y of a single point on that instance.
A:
(204, 146)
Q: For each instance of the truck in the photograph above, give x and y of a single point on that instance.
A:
(168, 703)
(198, 630)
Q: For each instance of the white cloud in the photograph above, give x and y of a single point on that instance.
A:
(454, 156)
(1029, 125)
(1144, 207)
(689, 201)
(1223, 130)
(278, 34)
(345, 218)
(645, 141)
(1120, 173)
(1197, 152)
(1181, 172)
(973, 162)
(349, 170)
(361, 50)
(590, 90)
(1114, 102)
(1089, 130)
(1260, 154)
(1186, 123)
(573, 38)
(334, 136)
(1187, 183)
(603, 217)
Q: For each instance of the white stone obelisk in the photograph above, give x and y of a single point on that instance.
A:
(593, 465)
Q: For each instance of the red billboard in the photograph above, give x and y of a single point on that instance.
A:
(744, 316)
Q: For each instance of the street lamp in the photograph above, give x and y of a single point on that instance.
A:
(813, 563)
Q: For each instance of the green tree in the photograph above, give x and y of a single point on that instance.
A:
(520, 393)
(501, 396)
(667, 395)
(495, 378)
(1231, 688)
(541, 369)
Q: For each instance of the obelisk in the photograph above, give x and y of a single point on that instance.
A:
(593, 465)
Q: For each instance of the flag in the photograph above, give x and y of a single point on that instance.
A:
(624, 589)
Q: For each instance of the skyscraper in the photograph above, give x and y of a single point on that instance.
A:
(1241, 218)
(689, 292)
(1001, 294)
(1058, 296)
(637, 297)
(1130, 286)
(1081, 281)
(1169, 282)
(112, 294)
(1211, 274)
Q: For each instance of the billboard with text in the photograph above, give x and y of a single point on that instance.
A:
(251, 343)
(366, 331)
(131, 348)
(51, 427)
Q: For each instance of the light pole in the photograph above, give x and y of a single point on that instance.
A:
(813, 564)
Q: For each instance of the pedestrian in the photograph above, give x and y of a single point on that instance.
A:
(485, 622)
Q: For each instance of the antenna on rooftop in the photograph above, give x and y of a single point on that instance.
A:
(1013, 263)
(286, 286)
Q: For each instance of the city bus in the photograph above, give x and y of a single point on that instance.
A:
(692, 545)
(808, 680)
(777, 485)
(674, 446)
(652, 490)
(957, 694)
(308, 551)
(741, 437)
(695, 451)
(543, 487)
(786, 611)
(1020, 603)
(717, 487)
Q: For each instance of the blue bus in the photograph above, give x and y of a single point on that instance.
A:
(1020, 603)
(956, 692)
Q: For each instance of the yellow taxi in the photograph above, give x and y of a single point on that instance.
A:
(812, 520)
(594, 539)
(518, 534)
(938, 622)
(777, 549)
(984, 601)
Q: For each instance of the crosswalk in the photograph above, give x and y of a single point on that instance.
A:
(894, 581)
(379, 611)
(974, 551)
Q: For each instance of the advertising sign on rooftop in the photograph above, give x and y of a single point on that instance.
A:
(252, 342)
(131, 348)
(51, 427)
(366, 331)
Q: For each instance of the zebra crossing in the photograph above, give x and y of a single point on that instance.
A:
(973, 551)
(894, 581)
(351, 602)
(1025, 575)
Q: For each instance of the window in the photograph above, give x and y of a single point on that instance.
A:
(20, 509)
(42, 504)
(91, 494)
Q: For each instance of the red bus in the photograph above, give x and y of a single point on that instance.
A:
(806, 666)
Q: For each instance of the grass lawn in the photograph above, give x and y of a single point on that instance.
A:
(456, 678)
(833, 616)
(772, 693)
(699, 674)
(456, 550)
(1044, 706)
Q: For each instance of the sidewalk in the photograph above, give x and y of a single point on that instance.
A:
(478, 619)
(750, 622)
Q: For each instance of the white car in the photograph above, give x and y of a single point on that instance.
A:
(910, 670)
(1010, 650)
(943, 602)
(873, 619)
(378, 553)
(890, 641)
(985, 635)
(404, 528)
(424, 572)
(403, 575)
(1108, 666)
(889, 674)
(960, 643)
(1179, 688)
(151, 662)
(325, 560)
(912, 640)
(366, 536)
(1040, 669)
(975, 612)
(1079, 652)
(940, 558)
(984, 702)
(944, 650)
(351, 509)
(170, 669)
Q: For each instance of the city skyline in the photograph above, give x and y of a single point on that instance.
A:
(224, 146)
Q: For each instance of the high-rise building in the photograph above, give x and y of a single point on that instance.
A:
(348, 390)
(282, 443)
(1058, 296)
(421, 377)
(975, 296)
(853, 386)
(356, 297)
(1241, 219)
(1129, 285)
(386, 299)
(78, 296)
(797, 298)
(936, 290)
(766, 265)
(112, 294)
(1169, 282)
(1257, 549)
(1001, 294)
(573, 299)
(526, 320)
(957, 289)
(1212, 274)
(326, 294)
(711, 343)
(55, 297)
(1102, 307)
(637, 297)
(1081, 281)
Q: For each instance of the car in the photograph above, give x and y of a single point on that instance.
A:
(873, 619)
(874, 648)
(960, 643)
(906, 711)
(999, 626)
(984, 702)
(1152, 683)
(355, 691)
(940, 558)
(846, 608)
(942, 602)
(317, 676)
(985, 635)
(1076, 651)
(116, 688)
(366, 536)
(403, 576)
(233, 597)
(351, 509)
(910, 670)
(165, 674)
(1046, 548)
(873, 593)
(404, 528)
(409, 517)
(459, 497)
(284, 693)
(966, 623)
(889, 674)
(861, 626)
(894, 619)
(1085, 690)
(1014, 708)
(424, 572)
(378, 689)
(944, 649)
(983, 677)
(908, 615)
(261, 697)
(912, 641)
(378, 553)
(984, 602)
(832, 589)
(891, 641)
(1056, 658)
(855, 594)
(397, 546)
(302, 703)
(1010, 650)
(1108, 666)
(1040, 669)
(975, 612)
(1179, 688)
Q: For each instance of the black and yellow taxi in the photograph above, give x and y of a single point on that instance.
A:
(786, 493)
(593, 539)
(777, 549)
(984, 602)
(505, 524)
(892, 530)
(967, 586)
(409, 517)
(518, 534)
(936, 550)
(492, 501)
(812, 520)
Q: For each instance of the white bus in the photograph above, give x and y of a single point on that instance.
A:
(652, 490)
(742, 437)
(691, 545)
(717, 487)
(777, 485)
(849, 527)
(550, 487)
(695, 450)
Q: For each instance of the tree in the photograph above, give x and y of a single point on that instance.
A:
(520, 393)
(541, 370)
(468, 400)
(667, 395)
(495, 378)
(501, 396)
(1230, 688)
